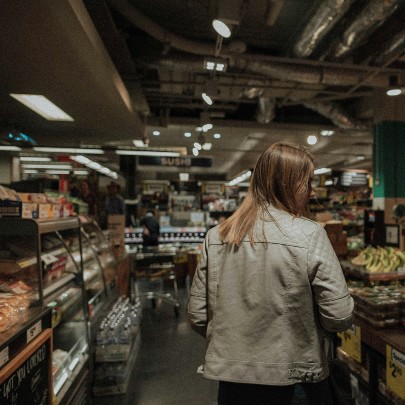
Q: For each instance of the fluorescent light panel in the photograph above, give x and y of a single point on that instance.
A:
(146, 153)
(47, 166)
(243, 177)
(10, 148)
(35, 159)
(95, 165)
(57, 171)
(89, 151)
(322, 170)
(42, 106)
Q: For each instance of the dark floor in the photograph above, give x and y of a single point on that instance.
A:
(170, 352)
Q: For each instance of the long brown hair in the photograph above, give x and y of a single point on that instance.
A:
(281, 178)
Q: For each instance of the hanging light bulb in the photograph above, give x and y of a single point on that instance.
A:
(221, 28)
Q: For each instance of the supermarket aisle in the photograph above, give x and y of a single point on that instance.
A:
(169, 356)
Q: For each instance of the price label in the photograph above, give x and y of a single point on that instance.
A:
(34, 331)
(396, 371)
(351, 342)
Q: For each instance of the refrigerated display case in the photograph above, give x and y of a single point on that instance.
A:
(41, 272)
(99, 265)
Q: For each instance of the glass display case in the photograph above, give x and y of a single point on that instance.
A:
(99, 265)
(41, 270)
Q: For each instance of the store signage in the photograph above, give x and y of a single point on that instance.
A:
(181, 161)
(214, 188)
(353, 179)
(27, 378)
(395, 367)
(351, 342)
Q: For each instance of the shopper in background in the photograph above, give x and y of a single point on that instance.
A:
(267, 288)
(114, 203)
(89, 198)
(151, 229)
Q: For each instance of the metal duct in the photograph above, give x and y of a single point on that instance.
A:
(329, 76)
(125, 8)
(336, 114)
(324, 19)
(394, 46)
(265, 110)
(372, 16)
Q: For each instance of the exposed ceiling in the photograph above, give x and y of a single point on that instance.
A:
(294, 68)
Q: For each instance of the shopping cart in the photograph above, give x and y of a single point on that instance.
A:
(153, 271)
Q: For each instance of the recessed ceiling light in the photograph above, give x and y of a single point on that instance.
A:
(197, 146)
(217, 136)
(207, 98)
(156, 133)
(187, 134)
(42, 106)
(207, 127)
(394, 92)
(312, 140)
(327, 132)
(207, 146)
(195, 151)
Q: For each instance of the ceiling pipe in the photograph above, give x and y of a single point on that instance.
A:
(125, 8)
(393, 46)
(265, 110)
(373, 15)
(325, 18)
(323, 75)
(304, 72)
(337, 115)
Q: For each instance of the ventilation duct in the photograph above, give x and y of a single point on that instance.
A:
(324, 19)
(372, 16)
(265, 110)
(336, 114)
(329, 76)
(394, 46)
(125, 8)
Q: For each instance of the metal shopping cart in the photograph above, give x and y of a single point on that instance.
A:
(153, 271)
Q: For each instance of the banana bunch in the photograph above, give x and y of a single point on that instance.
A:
(379, 259)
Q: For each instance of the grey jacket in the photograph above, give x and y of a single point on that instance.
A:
(264, 309)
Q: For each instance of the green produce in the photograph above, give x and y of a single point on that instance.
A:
(380, 259)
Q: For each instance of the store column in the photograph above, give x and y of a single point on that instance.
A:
(389, 169)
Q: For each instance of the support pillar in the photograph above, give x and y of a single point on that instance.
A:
(389, 168)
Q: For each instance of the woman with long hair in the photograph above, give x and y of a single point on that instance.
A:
(268, 287)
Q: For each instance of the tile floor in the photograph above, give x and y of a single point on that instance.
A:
(165, 373)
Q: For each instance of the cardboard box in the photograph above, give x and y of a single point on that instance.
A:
(116, 227)
(29, 210)
(334, 227)
(45, 211)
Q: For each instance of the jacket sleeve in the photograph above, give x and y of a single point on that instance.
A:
(198, 303)
(329, 286)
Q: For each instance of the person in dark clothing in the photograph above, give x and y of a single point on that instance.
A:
(89, 198)
(151, 229)
(114, 203)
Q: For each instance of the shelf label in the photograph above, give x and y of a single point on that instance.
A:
(4, 356)
(34, 331)
(351, 342)
(396, 371)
